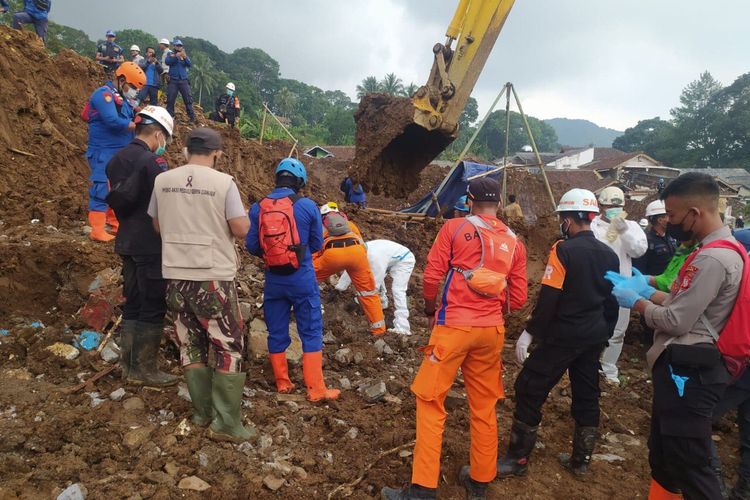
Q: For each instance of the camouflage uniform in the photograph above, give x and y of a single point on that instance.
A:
(203, 312)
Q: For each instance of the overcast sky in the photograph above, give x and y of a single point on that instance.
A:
(611, 62)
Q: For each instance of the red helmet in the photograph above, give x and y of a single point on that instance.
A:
(132, 74)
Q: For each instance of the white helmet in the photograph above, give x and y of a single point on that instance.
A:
(164, 41)
(655, 208)
(135, 47)
(230, 86)
(578, 200)
(159, 115)
(643, 223)
(329, 207)
(612, 195)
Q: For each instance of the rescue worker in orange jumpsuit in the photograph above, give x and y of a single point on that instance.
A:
(468, 333)
(344, 250)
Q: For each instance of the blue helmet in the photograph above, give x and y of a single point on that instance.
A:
(743, 236)
(177, 42)
(110, 33)
(462, 205)
(294, 167)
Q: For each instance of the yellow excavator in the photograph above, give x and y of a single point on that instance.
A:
(398, 138)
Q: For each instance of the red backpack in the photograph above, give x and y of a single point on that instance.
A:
(279, 238)
(734, 339)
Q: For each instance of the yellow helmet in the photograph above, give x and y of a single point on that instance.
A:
(329, 207)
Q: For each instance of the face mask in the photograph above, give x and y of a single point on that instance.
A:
(613, 213)
(564, 229)
(161, 149)
(131, 93)
(677, 232)
(230, 93)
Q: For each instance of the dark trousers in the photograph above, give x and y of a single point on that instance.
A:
(151, 92)
(545, 367)
(40, 25)
(183, 87)
(736, 398)
(144, 289)
(680, 440)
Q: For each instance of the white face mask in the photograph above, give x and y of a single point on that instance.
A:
(131, 93)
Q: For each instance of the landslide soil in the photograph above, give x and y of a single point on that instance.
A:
(49, 438)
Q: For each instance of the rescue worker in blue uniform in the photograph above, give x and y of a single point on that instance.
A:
(34, 12)
(298, 290)
(179, 62)
(153, 69)
(109, 54)
(111, 127)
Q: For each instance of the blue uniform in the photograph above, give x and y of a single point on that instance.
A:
(33, 13)
(179, 84)
(299, 289)
(109, 116)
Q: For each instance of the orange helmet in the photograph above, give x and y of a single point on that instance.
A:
(132, 74)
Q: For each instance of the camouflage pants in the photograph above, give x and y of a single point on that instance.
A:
(207, 313)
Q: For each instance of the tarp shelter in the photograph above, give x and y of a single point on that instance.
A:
(453, 187)
(318, 152)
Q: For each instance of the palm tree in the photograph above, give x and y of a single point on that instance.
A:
(392, 85)
(203, 74)
(286, 101)
(410, 89)
(368, 86)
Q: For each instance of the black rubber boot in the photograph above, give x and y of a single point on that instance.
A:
(474, 489)
(145, 355)
(584, 440)
(522, 441)
(413, 491)
(127, 331)
(741, 490)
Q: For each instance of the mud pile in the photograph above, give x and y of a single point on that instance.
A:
(391, 149)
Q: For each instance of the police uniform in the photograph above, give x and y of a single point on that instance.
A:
(227, 108)
(658, 254)
(109, 117)
(110, 49)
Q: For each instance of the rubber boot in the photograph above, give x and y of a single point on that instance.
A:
(281, 372)
(112, 222)
(475, 490)
(659, 492)
(741, 490)
(145, 355)
(408, 493)
(127, 331)
(97, 221)
(312, 371)
(199, 382)
(584, 440)
(226, 396)
(522, 441)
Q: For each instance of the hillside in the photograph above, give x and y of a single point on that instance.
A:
(571, 132)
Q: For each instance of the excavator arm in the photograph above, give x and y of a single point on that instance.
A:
(397, 137)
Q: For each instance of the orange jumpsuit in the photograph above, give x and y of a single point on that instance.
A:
(348, 253)
(469, 334)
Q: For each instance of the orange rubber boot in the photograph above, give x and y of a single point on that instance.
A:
(114, 224)
(97, 221)
(659, 492)
(281, 372)
(312, 371)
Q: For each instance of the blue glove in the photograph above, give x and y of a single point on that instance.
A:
(679, 382)
(641, 284)
(614, 278)
(626, 297)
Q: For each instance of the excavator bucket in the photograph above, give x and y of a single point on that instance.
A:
(391, 148)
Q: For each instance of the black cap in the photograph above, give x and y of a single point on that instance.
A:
(203, 138)
(484, 189)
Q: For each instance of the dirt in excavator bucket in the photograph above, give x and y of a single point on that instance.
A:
(391, 148)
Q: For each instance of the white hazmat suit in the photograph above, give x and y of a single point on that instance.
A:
(389, 258)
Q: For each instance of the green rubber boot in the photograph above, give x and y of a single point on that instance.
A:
(226, 394)
(199, 385)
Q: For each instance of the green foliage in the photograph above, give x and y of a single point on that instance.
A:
(470, 114)
(368, 86)
(492, 137)
(127, 37)
(203, 75)
(392, 85)
(64, 37)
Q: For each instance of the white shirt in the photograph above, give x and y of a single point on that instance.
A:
(628, 246)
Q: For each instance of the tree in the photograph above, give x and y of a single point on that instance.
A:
(64, 37)
(411, 89)
(657, 138)
(368, 86)
(470, 113)
(392, 85)
(127, 38)
(339, 123)
(285, 101)
(695, 119)
(203, 74)
(256, 68)
(492, 136)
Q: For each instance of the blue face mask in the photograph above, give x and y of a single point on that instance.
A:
(613, 213)
(230, 93)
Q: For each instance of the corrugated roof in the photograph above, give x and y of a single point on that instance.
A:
(585, 179)
(732, 176)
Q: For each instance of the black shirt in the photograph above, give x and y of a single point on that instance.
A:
(136, 235)
(660, 251)
(575, 305)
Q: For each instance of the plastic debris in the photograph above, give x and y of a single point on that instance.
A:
(4, 332)
(117, 395)
(96, 400)
(75, 491)
(88, 340)
(111, 352)
(37, 324)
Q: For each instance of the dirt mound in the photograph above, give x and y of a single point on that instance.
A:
(391, 148)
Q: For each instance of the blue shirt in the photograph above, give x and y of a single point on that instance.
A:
(30, 7)
(357, 194)
(153, 77)
(178, 69)
(310, 229)
(109, 117)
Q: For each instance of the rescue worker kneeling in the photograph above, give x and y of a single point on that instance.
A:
(344, 250)
(468, 334)
(574, 317)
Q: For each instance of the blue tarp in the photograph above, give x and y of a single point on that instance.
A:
(452, 188)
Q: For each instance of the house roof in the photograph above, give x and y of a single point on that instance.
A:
(318, 152)
(529, 158)
(617, 160)
(732, 176)
(584, 179)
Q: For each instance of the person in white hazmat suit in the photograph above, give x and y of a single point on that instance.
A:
(628, 241)
(389, 258)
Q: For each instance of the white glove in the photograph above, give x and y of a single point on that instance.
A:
(522, 346)
(620, 225)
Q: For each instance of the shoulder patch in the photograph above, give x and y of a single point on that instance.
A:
(161, 163)
(108, 97)
(687, 279)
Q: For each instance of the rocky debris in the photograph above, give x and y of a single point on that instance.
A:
(352, 433)
(623, 439)
(258, 341)
(358, 358)
(133, 404)
(193, 483)
(171, 468)
(246, 310)
(345, 384)
(117, 395)
(135, 438)
(64, 350)
(111, 352)
(96, 399)
(272, 482)
(375, 392)
(159, 477)
(183, 392)
(329, 338)
(383, 348)
(75, 491)
(344, 356)
(607, 457)
(454, 400)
